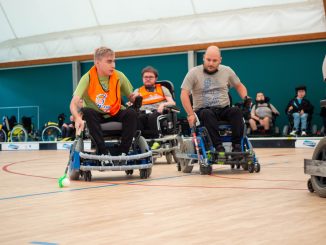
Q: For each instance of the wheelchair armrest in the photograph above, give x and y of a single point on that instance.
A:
(172, 108)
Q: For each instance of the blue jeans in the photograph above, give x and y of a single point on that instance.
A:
(296, 119)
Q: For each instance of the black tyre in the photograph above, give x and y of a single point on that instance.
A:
(285, 131)
(206, 170)
(145, 173)
(186, 147)
(3, 136)
(168, 157)
(175, 158)
(129, 172)
(51, 133)
(178, 166)
(88, 176)
(18, 134)
(257, 167)
(251, 168)
(319, 182)
(309, 185)
(232, 166)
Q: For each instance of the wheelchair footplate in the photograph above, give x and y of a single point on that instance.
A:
(115, 163)
(168, 145)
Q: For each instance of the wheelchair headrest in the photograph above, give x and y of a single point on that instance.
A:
(169, 85)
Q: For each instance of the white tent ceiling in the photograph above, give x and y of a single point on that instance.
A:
(34, 29)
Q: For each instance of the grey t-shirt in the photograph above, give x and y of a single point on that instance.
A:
(155, 106)
(210, 90)
(263, 110)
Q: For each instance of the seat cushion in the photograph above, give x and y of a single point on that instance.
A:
(111, 126)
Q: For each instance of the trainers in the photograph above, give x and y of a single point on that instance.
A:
(236, 148)
(303, 133)
(155, 146)
(293, 133)
(220, 148)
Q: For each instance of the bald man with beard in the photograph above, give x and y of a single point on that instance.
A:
(209, 85)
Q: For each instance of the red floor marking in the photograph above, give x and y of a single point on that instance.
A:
(6, 169)
(276, 180)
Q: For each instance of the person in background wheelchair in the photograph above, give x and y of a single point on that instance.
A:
(155, 98)
(101, 89)
(263, 114)
(68, 129)
(299, 111)
(209, 85)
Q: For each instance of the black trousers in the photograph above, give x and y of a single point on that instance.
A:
(148, 122)
(209, 118)
(67, 132)
(127, 117)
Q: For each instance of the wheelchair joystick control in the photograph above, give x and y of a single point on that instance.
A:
(138, 103)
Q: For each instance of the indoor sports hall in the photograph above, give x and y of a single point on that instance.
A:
(78, 165)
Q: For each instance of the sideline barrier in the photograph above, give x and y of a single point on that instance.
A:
(271, 142)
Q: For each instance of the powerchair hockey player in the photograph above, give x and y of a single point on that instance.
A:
(160, 129)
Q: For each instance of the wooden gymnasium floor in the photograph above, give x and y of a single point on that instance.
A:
(228, 207)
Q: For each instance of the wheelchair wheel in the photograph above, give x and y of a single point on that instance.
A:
(310, 187)
(205, 170)
(129, 172)
(3, 136)
(186, 147)
(168, 157)
(175, 158)
(285, 131)
(314, 129)
(143, 147)
(18, 134)
(51, 133)
(319, 182)
(251, 168)
(145, 173)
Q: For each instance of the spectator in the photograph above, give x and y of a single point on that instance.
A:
(299, 109)
(262, 113)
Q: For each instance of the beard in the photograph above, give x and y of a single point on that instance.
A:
(210, 72)
(150, 88)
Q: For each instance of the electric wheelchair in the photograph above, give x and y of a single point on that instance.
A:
(168, 130)
(82, 162)
(199, 149)
(311, 128)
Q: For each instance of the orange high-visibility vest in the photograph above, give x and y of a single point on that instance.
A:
(152, 97)
(110, 101)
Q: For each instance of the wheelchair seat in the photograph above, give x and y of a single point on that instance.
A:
(111, 129)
